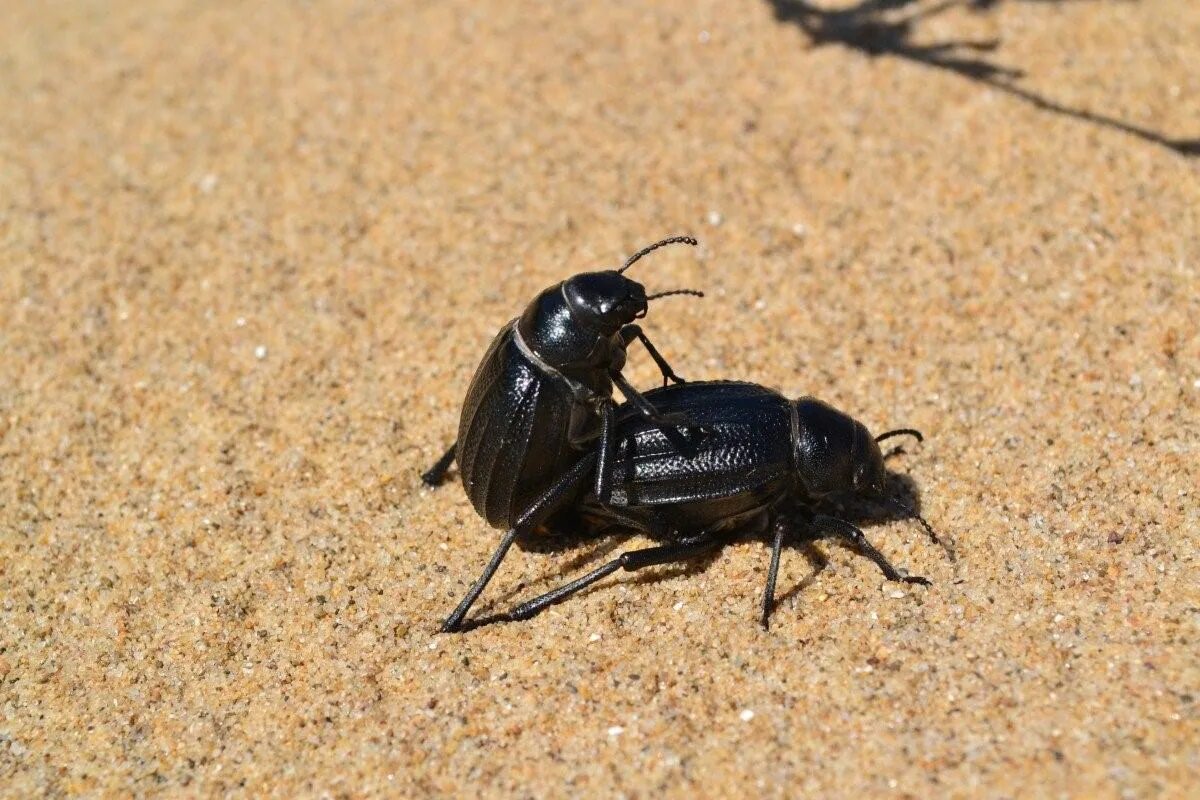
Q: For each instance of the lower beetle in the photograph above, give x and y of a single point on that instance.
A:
(543, 395)
(755, 461)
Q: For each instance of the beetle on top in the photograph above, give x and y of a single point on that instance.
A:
(542, 396)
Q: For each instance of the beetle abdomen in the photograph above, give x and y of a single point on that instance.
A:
(512, 436)
(740, 445)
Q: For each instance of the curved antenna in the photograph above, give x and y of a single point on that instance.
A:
(692, 292)
(913, 432)
(651, 248)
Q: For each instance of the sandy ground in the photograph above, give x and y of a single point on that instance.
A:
(251, 253)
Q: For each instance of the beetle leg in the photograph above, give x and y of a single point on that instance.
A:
(669, 424)
(782, 527)
(631, 332)
(645, 406)
(642, 519)
(543, 507)
(648, 521)
(582, 435)
(454, 621)
(840, 529)
(437, 473)
(604, 453)
(630, 561)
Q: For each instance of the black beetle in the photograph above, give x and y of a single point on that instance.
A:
(543, 394)
(756, 461)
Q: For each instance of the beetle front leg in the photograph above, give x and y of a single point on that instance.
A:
(631, 332)
(840, 529)
(645, 406)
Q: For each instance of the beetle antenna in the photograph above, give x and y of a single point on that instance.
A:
(912, 512)
(651, 248)
(692, 292)
(900, 432)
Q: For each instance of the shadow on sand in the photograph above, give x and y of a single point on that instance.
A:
(889, 28)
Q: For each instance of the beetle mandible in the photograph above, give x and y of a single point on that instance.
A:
(542, 395)
(757, 461)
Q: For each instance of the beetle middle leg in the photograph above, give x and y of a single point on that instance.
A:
(541, 508)
(602, 445)
(781, 527)
(840, 529)
(437, 473)
(604, 452)
(684, 549)
(630, 333)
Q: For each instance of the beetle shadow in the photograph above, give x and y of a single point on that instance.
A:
(862, 512)
(890, 28)
(570, 533)
(865, 511)
(616, 540)
(901, 502)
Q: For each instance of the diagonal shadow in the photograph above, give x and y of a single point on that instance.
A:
(887, 28)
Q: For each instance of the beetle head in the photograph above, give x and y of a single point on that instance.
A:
(834, 452)
(604, 301)
(573, 326)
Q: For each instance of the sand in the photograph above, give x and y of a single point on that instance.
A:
(250, 255)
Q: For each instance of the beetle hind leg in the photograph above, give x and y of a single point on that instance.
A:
(682, 550)
(454, 622)
(549, 502)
